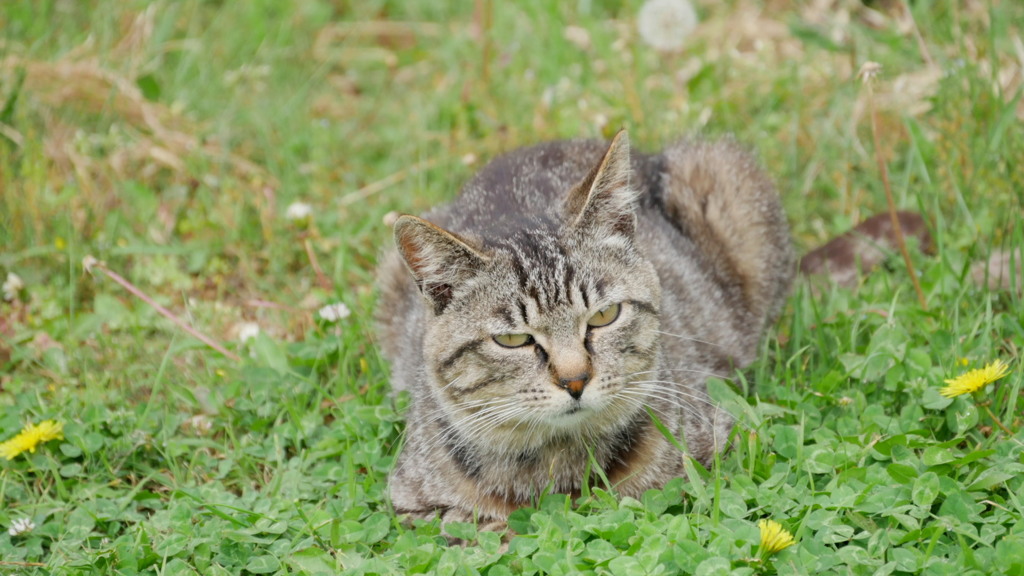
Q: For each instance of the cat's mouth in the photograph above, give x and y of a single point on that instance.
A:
(569, 416)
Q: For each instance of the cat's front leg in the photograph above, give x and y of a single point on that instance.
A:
(452, 514)
(482, 524)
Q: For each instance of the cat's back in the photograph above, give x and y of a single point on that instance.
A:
(518, 188)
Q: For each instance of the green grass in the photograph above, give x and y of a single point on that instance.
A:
(179, 460)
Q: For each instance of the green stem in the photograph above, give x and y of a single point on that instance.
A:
(996, 420)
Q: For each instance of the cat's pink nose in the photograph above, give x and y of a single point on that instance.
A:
(575, 385)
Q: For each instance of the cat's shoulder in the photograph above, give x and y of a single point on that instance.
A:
(547, 162)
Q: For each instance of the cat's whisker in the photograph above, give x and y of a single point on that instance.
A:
(657, 395)
(442, 412)
(483, 425)
(450, 384)
(492, 419)
(533, 422)
(690, 338)
(661, 406)
(454, 426)
(531, 430)
(675, 397)
(464, 406)
(673, 393)
(632, 401)
(691, 370)
(663, 397)
(668, 385)
(471, 419)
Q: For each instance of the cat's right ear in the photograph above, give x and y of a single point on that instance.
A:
(438, 259)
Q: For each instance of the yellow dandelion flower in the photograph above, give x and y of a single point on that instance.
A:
(773, 537)
(31, 437)
(973, 380)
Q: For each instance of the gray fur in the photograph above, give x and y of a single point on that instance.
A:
(692, 242)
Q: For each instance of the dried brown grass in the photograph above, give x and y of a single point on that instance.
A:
(81, 88)
(145, 140)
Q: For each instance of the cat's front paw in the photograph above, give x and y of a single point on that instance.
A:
(449, 515)
(482, 525)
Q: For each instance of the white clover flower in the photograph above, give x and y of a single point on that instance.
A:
(12, 286)
(298, 212)
(200, 423)
(21, 526)
(334, 312)
(247, 331)
(665, 24)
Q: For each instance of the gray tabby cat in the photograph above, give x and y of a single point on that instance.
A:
(568, 290)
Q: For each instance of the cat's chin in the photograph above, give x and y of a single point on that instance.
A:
(591, 415)
(571, 417)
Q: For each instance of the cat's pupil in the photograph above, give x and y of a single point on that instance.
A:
(513, 340)
(605, 316)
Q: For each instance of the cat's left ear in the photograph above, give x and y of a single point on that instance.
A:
(604, 203)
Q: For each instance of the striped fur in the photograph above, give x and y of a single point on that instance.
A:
(691, 243)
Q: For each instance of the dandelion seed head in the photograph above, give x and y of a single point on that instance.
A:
(298, 212)
(89, 262)
(334, 312)
(666, 24)
(974, 380)
(868, 71)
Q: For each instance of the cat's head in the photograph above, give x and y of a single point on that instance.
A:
(538, 334)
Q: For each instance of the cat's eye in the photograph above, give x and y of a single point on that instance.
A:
(605, 316)
(513, 340)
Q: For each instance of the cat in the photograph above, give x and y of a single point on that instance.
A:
(572, 290)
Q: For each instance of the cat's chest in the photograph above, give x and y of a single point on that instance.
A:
(562, 465)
